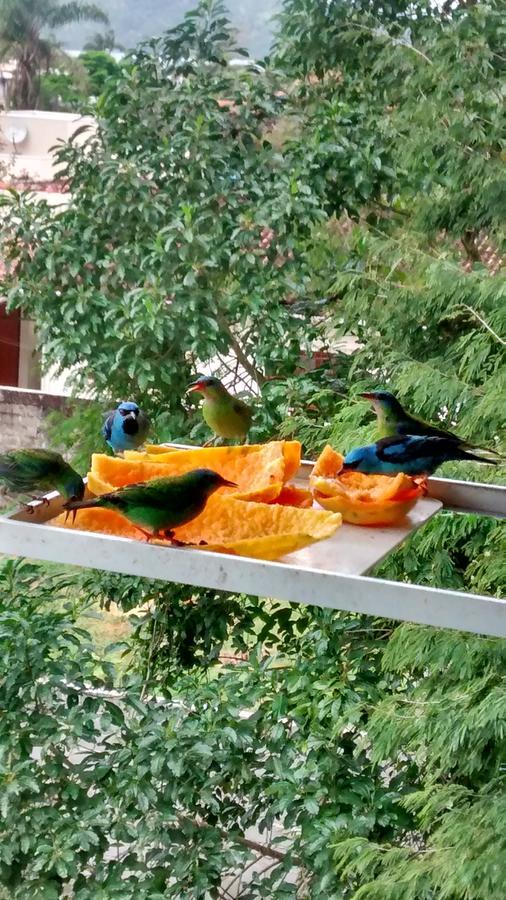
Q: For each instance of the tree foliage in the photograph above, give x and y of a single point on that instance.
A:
(23, 37)
(257, 218)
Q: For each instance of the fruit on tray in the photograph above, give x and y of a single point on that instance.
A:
(362, 499)
(228, 525)
(260, 470)
(264, 517)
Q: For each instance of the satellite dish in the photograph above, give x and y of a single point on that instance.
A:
(16, 134)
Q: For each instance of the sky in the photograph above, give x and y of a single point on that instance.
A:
(133, 21)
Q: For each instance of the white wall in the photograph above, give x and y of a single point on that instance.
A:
(31, 158)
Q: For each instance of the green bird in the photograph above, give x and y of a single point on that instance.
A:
(225, 414)
(156, 507)
(394, 421)
(35, 472)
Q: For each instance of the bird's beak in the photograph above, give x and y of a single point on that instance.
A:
(131, 415)
(194, 386)
(226, 483)
(366, 395)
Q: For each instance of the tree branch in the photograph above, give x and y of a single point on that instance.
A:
(261, 849)
(485, 324)
(239, 352)
(469, 245)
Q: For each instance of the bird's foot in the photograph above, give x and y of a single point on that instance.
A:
(29, 508)
(168, 535)
(422, 484)
(147, 534)
(43, 500)
(209, 443)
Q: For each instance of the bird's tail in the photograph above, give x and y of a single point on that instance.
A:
(484, 452)
(481, 455)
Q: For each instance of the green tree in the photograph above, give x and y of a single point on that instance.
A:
(99, 66)
(65, 85)
(23, 28)
(185, 230)
(103, 41)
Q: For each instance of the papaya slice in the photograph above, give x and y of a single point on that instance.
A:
(259, 470)
(228, 525)
(378, 500)
(294, 496)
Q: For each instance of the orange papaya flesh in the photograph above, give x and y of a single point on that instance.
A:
(258, 470)
(375, 500)
(294, 496)
(261, 530)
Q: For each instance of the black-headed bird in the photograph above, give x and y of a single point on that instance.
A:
(126, 427)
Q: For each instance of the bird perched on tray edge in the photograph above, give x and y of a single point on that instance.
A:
(37, 471)
(414, 455)
(156, 507)
(226, 415)
(394, 421)
(126, 427)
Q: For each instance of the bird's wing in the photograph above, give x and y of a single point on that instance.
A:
(399, 450)
(242, 409)
(30, 470)
(145, 493)
(39, 461)
(107, 426)
(403, 449)
(144, 422)
(417, 425)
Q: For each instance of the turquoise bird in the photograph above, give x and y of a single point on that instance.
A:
(35, 471)
(225, 414)
(411, 454)
(156, 507)
(126, 427)
(394, 421)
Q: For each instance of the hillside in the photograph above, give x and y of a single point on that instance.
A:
(133, 21)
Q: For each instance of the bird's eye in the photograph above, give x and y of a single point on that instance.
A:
(123, 412)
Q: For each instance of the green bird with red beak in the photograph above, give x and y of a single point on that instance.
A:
(226, 415)
(395, 421)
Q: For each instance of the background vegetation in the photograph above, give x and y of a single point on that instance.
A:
(354, 186)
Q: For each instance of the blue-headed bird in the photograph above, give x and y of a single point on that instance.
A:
(411, 454)
(126, 427)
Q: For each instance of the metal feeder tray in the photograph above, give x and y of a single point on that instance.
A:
(332, 572)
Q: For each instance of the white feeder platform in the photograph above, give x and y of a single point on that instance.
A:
(331, 573)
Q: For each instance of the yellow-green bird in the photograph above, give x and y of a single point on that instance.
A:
(226, 415)
(156, 507)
